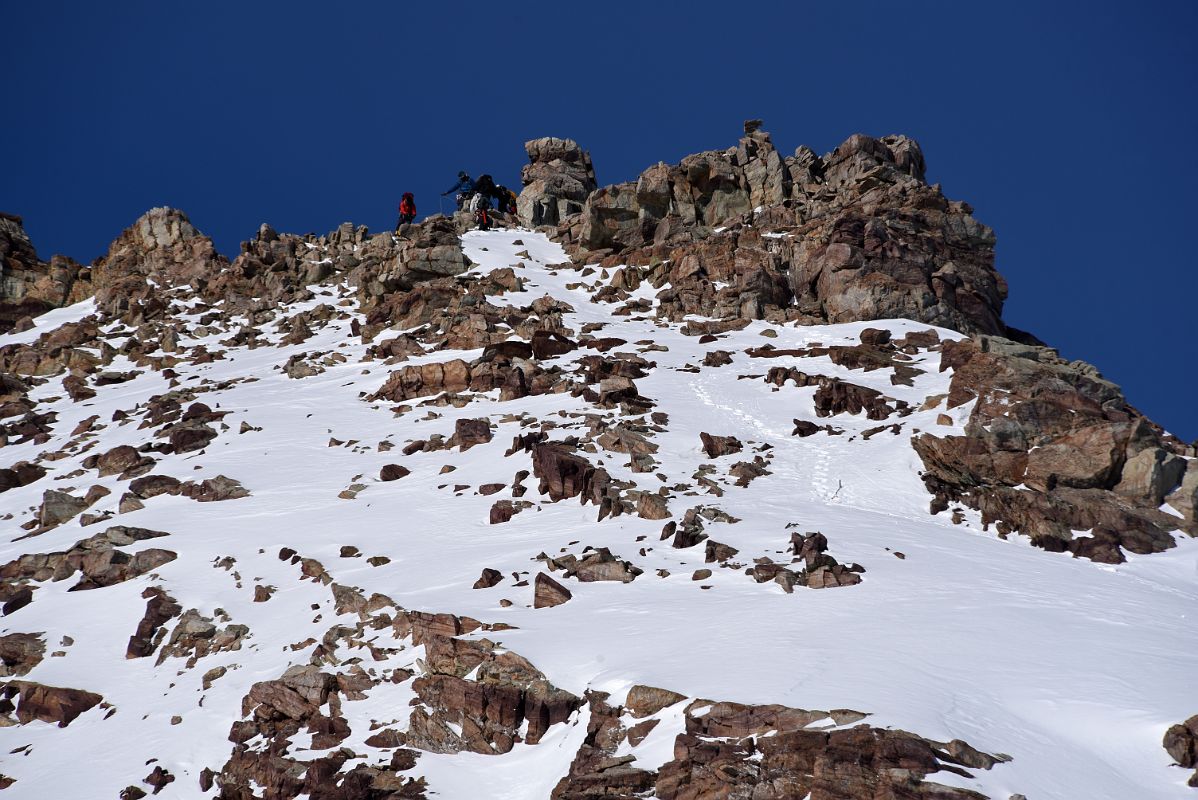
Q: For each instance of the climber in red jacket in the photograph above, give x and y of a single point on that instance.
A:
(407, 209)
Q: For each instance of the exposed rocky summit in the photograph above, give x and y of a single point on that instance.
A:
(856, 234)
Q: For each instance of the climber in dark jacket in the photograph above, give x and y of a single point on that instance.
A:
(505, 200)
(485, 186)
(464, 188)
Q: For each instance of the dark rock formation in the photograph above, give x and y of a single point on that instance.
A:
(834, 396)
(595, 565)
(564, 474)
(160, 609)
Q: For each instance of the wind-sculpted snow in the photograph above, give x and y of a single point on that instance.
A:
(736, 518)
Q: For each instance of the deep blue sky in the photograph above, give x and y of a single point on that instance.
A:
(1072, 128)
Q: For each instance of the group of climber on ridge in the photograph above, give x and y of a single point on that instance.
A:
(478, 197)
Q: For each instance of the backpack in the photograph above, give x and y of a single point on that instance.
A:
(484, 185)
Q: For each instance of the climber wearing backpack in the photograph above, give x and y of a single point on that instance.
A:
(407, 209)
(480, 206)
(505, 200)
(464, 188)
(485, 186)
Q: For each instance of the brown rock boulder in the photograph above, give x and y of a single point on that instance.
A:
(393, 472)
(490, 577)
(35, 701)
(716, 446)
(125, 461)
(645, 701)
(549, 592)
(20, 652)
(58, 507)
(1046, 443)
(469, 432)
(564, 474)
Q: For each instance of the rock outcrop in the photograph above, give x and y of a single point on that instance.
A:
(744, 232)
(557, 181)
(766, 752)
(29, 286)
(98, 558)
(1053, 450)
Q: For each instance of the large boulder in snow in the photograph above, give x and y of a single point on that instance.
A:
(426, 252)
(1181, 742)
(35, 701)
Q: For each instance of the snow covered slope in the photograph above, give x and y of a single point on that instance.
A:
(1070, 668)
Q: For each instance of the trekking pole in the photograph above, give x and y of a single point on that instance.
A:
(442, 199)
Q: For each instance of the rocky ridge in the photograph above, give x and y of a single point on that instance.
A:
(815, 278)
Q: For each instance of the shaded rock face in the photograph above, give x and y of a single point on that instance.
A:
(557, 181)
(28, 285)
(1051, 448)
(160, 608)
(564, 473)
